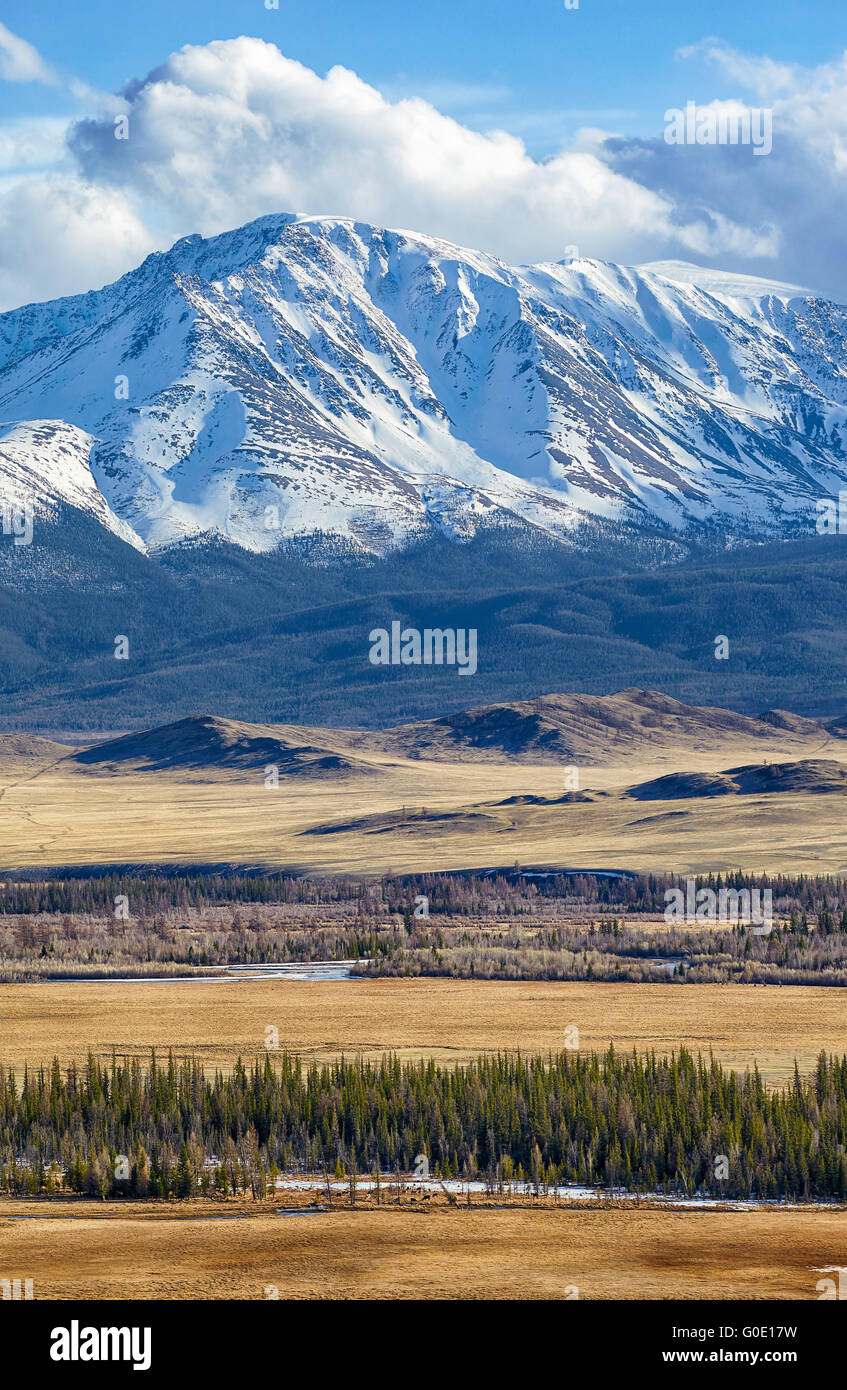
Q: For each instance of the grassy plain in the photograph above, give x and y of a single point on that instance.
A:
(438, 795)
(449, 1020)
(61, 816)
(92, 1250)
(54, 813)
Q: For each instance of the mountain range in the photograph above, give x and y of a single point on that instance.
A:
(253, 449)
(306, 376)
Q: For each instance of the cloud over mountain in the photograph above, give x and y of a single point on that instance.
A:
(231, 130)
(236, 130)
(796, 197)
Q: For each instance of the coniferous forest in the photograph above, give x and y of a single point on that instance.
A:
(679, 1125)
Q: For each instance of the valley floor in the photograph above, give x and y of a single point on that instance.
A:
(408, 815)
(504, 1247)
(200, 1250)
(448, 1020)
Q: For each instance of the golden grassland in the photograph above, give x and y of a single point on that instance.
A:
(56, 814)
(92, 1250)
(524, 1248)
(448, 1020)
(53, 814)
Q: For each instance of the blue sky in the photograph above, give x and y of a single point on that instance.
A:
(535, 128)
(538, 69)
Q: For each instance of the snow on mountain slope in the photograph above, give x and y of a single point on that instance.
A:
(723, 284)
(46, 462)
(307, 374)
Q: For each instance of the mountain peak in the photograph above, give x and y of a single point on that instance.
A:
(318, 376)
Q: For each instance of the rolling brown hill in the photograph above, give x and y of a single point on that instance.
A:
(29, 747)
(486, 787)
(550, 729)
(204, 742)
(591, 728)
(819, 775)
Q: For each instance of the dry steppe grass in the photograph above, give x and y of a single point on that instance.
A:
(63, 816)
(425, 797)
(449, 1020)
(117, 1251)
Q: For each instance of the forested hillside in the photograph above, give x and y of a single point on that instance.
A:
(284, 637)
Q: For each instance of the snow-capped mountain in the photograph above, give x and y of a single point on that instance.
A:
(310, 375)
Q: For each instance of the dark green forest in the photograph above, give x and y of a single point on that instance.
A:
(284, 637)
(673, 1125)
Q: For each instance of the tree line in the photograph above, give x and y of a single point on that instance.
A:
(672, 1125)
(803, 897)
(547, 945)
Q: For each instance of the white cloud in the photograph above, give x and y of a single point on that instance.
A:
(755, 74)
(233, 130)
(35, 142)
(60, 235)
(227, 132)
(20, 62)
(795, 198)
